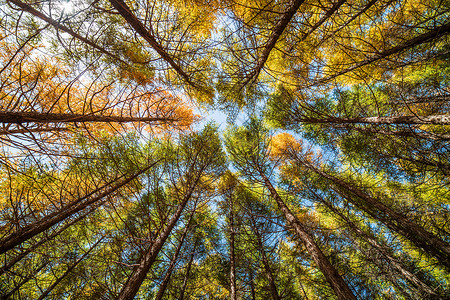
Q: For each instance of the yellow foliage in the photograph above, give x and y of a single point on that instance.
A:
(281, 143)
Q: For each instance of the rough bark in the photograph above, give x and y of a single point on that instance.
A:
(267, 269)
(137, 25)
(48, 221)
(30, 249)
(407, 120)
(233, 295)
(58, 280)
(331, 274)
(25, 280)
(46, 118)
(58, 25)
(135, 280)
(418, 40)
(188, 271)
(173, 261)
(420, 237)
(384, 251)
(276, 33)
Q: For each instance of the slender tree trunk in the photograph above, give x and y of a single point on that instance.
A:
(401, 133)
(331, 274)
(58, 280)
(24, 253)
(407, 120)
(268, 270)
(45, 223)
(386, 252)
(252, 284)
(418, 40)
(58, 25)
(137, 25)
(46, 118)
(169, 271)
(25, 280)
(277, 31)
(233, 295)
(133, 283)
(188, 271)
(423, 239)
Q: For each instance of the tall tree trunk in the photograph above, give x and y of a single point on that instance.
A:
(401, 133)
(252, 284)
(233, 295)
(407, 120)
(45, 223)
(384, 251)
(277, 31)
(420, 237)
(58, 25)
(188, 271)
(58, 280)
(268, 270)
(173, 261)
(418, 40)
(24, 253)
(135, 280)
(331, 274)
(46, 118)
(25, 280)
(137, 25)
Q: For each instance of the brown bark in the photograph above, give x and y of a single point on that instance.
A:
(30, 249)
(173, 261)
(401, 133)
(58, 280)
(267, 269)
(420, 237)
(386, 252)
(331, 274)
(233, 295)
(57, 25)
(45, 223)
(137, 25)
(188, 271)
(25, 280)
(418, 40)
(46, 118)
(276, 33)
(407, 120)
(135, 280)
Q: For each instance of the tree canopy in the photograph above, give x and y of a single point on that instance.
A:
(330, 180)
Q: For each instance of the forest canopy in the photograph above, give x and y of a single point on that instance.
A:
(329, 180)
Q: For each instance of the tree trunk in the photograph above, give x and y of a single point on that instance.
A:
(137, 25)
(418, 40)
(400, 133)
(277, 31)
(407, 120)
(186, 276)
(46, 118)
(25, 280)
(331, 274)
(268, 270)
(58, 25)
(135, 280)
(58, 280)
(45, 223)
(24, 253)
(386, 252)
(420, 237)
(169, 271)
(233, 295)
